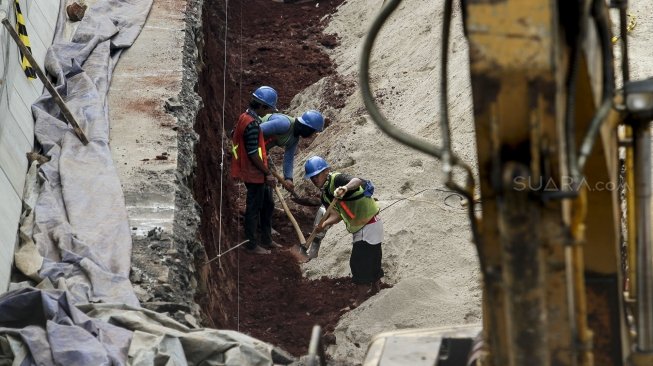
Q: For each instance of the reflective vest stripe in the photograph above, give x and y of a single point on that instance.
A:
(234, 151)
(347, 210)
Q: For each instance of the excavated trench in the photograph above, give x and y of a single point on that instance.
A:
(281, 45)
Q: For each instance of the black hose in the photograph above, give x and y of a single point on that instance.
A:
(364, 79)
(572, 86)
(444, 88)
(603, 30)
(418, 144)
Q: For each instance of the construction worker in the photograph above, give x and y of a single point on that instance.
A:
(250, 165)
(355, 206)
(284, 131)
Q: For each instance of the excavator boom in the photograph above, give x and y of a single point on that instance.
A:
(563, 230)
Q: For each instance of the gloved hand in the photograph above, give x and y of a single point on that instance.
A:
(340, 191)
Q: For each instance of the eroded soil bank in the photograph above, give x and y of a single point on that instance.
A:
(281, 45)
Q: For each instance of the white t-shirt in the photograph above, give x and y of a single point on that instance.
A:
(371, 233)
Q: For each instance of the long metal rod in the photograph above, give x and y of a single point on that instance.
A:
(630, 215)
(48, 85)
(644, 244)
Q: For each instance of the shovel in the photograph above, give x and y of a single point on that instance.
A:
(297, 249)
(313, 248)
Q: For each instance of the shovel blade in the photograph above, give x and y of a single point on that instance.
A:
(299, 253)
(313, 250)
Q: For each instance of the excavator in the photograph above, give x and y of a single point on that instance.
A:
(560, 204)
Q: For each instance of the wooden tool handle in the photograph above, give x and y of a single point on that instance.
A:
(300, 235)
(281, 179)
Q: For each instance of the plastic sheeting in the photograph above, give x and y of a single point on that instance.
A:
(40, 327)
(81, 227)
(76, 229)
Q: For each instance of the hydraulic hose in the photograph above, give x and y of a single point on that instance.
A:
(608, 85)
(364, 79)
(444, 88)
(572, 86)
(402, 137)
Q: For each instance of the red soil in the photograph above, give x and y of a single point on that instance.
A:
(280, 45)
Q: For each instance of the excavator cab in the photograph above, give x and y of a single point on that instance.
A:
(567, 271)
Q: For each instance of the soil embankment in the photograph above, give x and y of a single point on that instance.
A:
(281, 45)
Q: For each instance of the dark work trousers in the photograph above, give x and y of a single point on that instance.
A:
(365, 262)
(260, 206)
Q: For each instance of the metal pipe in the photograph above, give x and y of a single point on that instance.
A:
(630, 216)
(642, 141)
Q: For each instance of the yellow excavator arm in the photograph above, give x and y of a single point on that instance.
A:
(563, 235)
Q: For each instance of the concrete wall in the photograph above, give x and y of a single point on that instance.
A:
(17, 93)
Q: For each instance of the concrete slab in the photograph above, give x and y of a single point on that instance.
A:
(40, 36)
(22, 111)
(13, 147)
(46, 9)
(28, 89)
(51, 10)
(143, 136)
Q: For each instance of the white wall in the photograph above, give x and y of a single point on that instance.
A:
(17, 93)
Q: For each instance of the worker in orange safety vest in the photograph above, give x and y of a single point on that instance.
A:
(250, 165)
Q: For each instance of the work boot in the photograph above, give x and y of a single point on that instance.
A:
(376, 287)
(272, 245)
(257, 250)
(361, 294)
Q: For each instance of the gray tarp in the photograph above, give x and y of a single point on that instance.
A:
(75, 233)
(55, 332)
(81, 227)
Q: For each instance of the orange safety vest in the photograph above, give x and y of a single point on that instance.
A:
(241, 167)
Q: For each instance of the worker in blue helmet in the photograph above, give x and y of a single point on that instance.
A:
(285, 131)
(249, 164)
(355, 206)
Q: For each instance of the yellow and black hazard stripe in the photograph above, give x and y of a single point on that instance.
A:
(22, 34)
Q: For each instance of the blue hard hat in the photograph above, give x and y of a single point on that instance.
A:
(267, 96)
(312, 119)
(314, 166)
